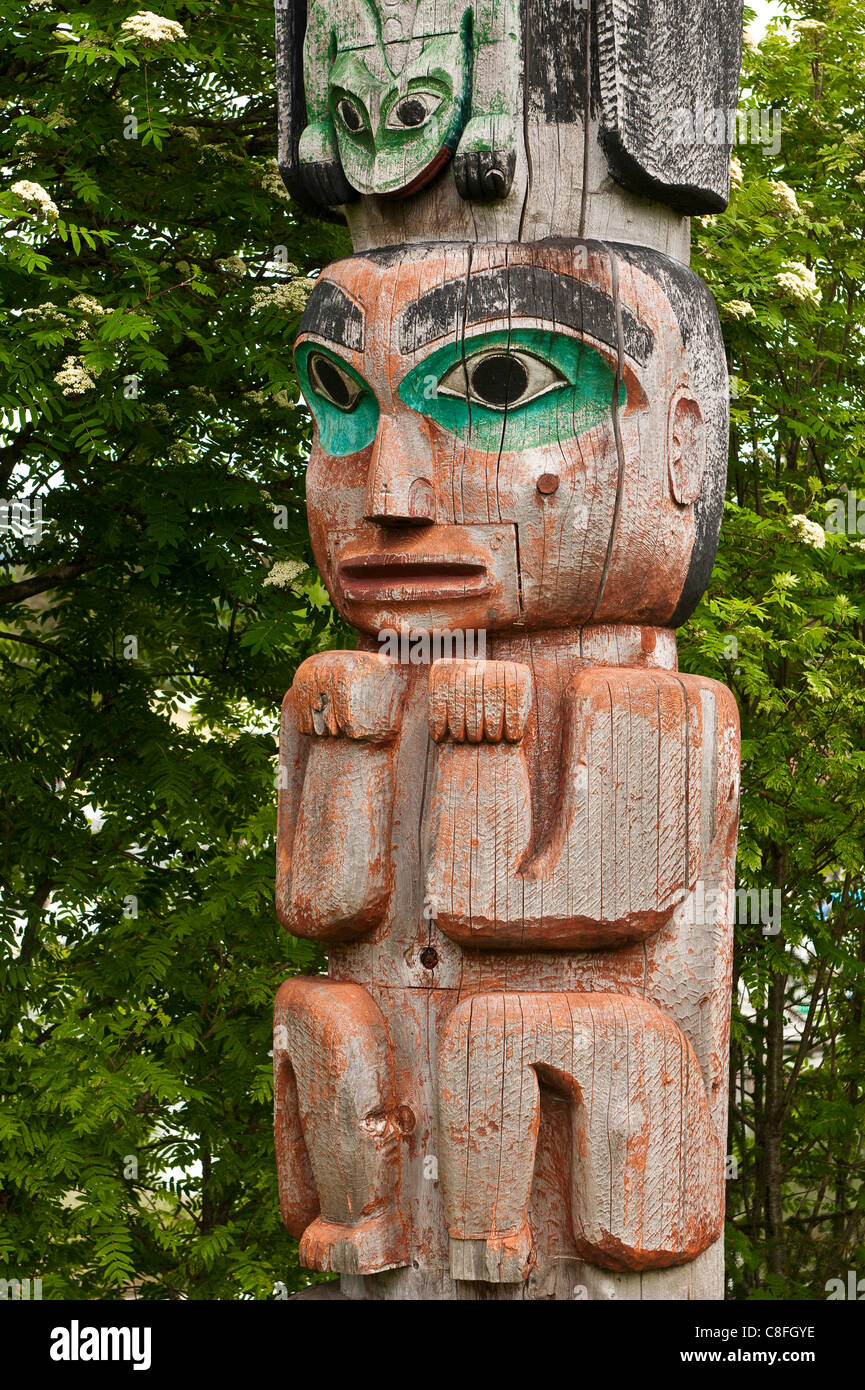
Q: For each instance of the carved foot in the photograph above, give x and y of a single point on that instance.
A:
(371, 1246)
(339, 1129)
(501, 1259)
(646, 1168)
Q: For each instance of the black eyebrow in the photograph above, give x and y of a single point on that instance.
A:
(520, 291)
(331, 314)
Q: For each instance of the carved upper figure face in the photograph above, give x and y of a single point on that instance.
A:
(395, 88)
(513, 436)
(395, 131)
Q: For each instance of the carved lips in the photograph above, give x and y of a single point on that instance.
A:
(406, 579)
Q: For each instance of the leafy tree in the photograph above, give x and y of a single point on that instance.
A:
(783, 625)
(152, 617)
(153, 270)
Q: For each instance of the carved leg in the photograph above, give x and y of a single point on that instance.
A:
(647, 1168)
(338, 1128)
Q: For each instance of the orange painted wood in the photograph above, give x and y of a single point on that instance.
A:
(512, 1083)
(645, 1167)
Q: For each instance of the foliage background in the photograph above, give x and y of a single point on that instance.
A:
(138, 944)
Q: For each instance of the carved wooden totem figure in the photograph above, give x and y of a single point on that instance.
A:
(507, 812)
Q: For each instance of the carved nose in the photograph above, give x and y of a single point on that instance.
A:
(399, 491)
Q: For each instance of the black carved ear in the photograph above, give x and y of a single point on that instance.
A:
(686, 447)
(665, 124)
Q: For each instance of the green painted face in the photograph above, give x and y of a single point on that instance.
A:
(345, 409)
(391, 130)
(513, 390)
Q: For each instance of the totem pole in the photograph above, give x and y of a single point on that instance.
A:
(508, 814)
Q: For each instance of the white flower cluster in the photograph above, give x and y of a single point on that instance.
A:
(811, 532)
(187, 133)
(200, 393)
(799, 282)
(290, 298)
(784, 197)
(271, 180)
(47, 313)
(738, 309)
(736, 175)
(33, 195)
(280, 398)
(73, 378)
(86, 304)
(232, 265)
(283, 572)
(809, 26)
(152, 28)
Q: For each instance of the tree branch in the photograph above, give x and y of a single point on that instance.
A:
(50, 579)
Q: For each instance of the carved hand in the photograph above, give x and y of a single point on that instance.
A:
(485, 160)
(339, 722)
(321, 167)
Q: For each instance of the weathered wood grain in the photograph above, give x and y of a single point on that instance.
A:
(646, 1167)
(334, 871)
(613, 541)
(628, 839)
(339, 1127)
(664, 124)
(607, 120)
(513, 1082)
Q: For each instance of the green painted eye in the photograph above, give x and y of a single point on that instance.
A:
(501, 380)
(344, 407)
(412, 111)
(514, 390)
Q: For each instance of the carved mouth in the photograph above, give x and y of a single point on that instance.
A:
(406, 579)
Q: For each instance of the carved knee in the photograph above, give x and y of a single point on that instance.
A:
(339, 1128)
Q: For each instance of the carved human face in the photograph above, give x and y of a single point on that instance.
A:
(506, 437)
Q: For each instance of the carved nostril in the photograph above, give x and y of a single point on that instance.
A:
(396, 504)
(421, 501)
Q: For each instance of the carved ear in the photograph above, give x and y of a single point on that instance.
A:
(686, 447)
